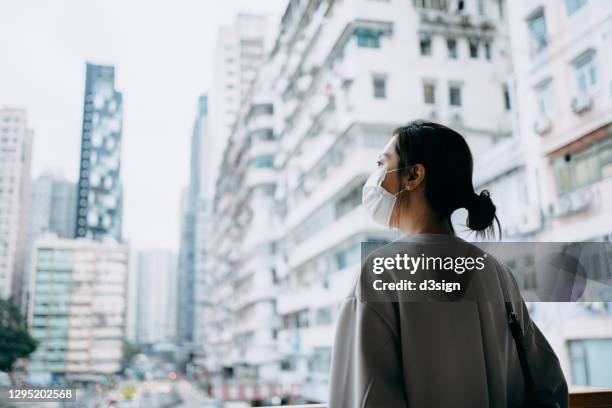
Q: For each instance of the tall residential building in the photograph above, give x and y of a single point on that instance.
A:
(563, 80)
(240, 51)
(289, 221)
(100, 195)
(156, 313)
(52, 210)
(239, 313)
(78, 306)
(15, 161)
(187, 280)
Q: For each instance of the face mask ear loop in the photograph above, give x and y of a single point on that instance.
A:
(399, 212)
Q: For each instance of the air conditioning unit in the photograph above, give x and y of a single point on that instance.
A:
(571, 203)
(542, 125)
(581, 103)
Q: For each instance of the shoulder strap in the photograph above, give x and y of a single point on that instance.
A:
(519, 341)
(521, 349)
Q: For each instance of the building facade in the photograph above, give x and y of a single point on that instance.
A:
(563, 85)
(77, 307)
(15, 161)
(52, 210)
(240, 50)
(156, 311)
(190, 201)
(100, 194)
(289, 222)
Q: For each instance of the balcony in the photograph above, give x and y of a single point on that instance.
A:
(578, 399)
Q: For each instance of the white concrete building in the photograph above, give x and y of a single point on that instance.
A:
(78, 306)
(240, 50)
(15, 159)
(342, 76)
(563, 93)
(156, 308)
(353, 73)
(239, 311)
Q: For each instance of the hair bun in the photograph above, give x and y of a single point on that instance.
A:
(481, 211)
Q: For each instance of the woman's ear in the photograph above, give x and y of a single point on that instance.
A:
(415, 175)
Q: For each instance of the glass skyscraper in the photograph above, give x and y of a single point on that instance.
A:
(99, 201)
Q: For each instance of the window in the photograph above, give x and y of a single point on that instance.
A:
(348, 256)
(590, 362)
(429, 94)
(481, 7)
(574, 5)
(454, 94)
(537, 32)
(451, 44)
(500, 8)
(583, 168)
(432, 4)
(262, 109)
(263, 162)
(324, 316)
(367, 38)
(487, 51)
(320, 360)
(425, 44)
(473, 47)
(380, 86)
(586, 73)
(506, 93)
(545, 98)
(349, 201)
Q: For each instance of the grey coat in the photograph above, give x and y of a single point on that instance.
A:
(437, 354)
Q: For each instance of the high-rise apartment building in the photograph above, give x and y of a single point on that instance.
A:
(15, 160)
(240, 51)
(100, 195)
(289, 221)
(563, 80)
(77, 307)
(156, 311)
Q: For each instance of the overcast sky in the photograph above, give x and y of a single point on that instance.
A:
(163, 52)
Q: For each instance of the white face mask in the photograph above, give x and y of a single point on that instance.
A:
(377, 201)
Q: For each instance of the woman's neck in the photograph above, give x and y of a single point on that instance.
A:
(424, 223)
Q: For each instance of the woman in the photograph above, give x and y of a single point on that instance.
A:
(435, 354)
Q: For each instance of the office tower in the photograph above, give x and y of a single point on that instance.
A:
(287, 209)
(187, 280)
(52, 210)
(15, 160)
(240, 51)
(155, 316)
(563, 80)
(100, 196)
(77, 307)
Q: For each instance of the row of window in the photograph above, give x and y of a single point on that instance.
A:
(458, 6)
(583, 168)
(452, 47)
(370, 38)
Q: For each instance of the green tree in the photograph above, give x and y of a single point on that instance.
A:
(15, 341)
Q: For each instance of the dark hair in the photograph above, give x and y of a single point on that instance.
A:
(448, 173)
